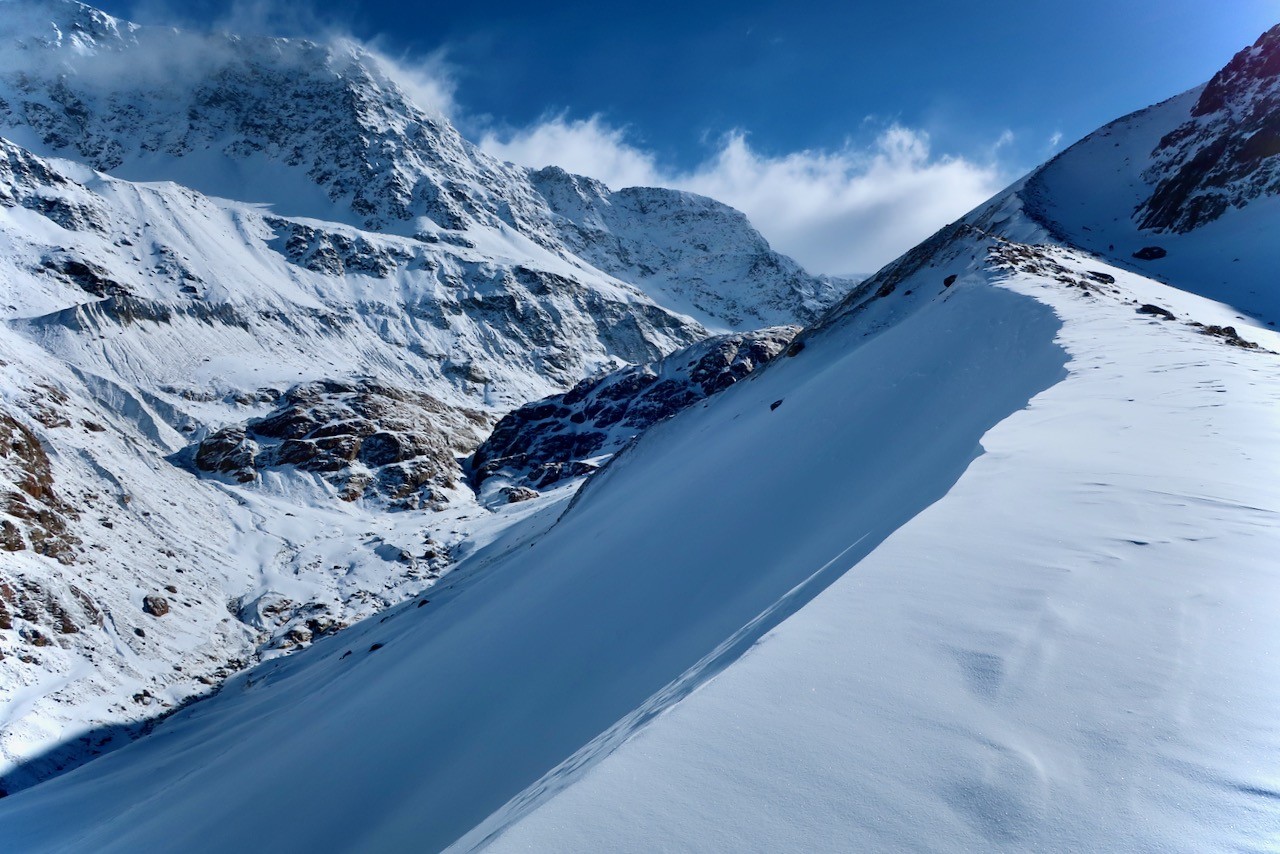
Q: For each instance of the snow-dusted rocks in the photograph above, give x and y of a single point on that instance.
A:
(572, 434)
(693, 253)
(367, 440)
(1228, 152)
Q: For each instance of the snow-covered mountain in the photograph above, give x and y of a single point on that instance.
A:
(258, 306)
(987, 561)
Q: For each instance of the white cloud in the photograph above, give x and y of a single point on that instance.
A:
(842, 211)
(583, 146)
(427, 80)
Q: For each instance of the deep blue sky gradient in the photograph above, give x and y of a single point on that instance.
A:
(794, 75)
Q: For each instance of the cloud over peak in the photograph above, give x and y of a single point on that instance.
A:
(849, 210)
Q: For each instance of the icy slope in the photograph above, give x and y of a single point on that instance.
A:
(615, 613)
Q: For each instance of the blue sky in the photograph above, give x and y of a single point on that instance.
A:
(884, 117)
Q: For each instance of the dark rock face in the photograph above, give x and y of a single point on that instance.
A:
(335, 253)
(565, 436)
(155, 605)
(87, 276)
(368, 440)
(1150, 253)
(1156, 311)
(1228, 153)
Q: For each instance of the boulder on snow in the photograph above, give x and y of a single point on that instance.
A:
(516, 494)
(1150, 253)
(155, 605)
(1156, 311)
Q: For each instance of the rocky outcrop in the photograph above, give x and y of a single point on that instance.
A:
(365, 439)
(1228, 152)
(570, 434)
(334, 253)
(27, 181)
(36, 516)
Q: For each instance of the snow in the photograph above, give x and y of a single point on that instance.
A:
(544, 650)
(988, 564)
(210, 314)
(1089, 191)
(1073, 650)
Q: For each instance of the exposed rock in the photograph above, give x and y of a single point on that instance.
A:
(88, 277)
(1156, 311)
(335, 253)
(27, 181)
(1150, 253)
(569, 434)
(155, 605)
(516, 494)
(367, 440)
(1228, 335)
(1228, 152)
(28, 498)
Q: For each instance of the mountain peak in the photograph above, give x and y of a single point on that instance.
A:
(1228, 152)
(1258, 64)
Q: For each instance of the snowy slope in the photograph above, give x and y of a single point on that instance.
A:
(1027, 506)
(1137, 183)
(1072, 650)
(197, 231)
(986, 563)
(503, 677)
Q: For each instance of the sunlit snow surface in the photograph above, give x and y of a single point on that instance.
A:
(1075, 649)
